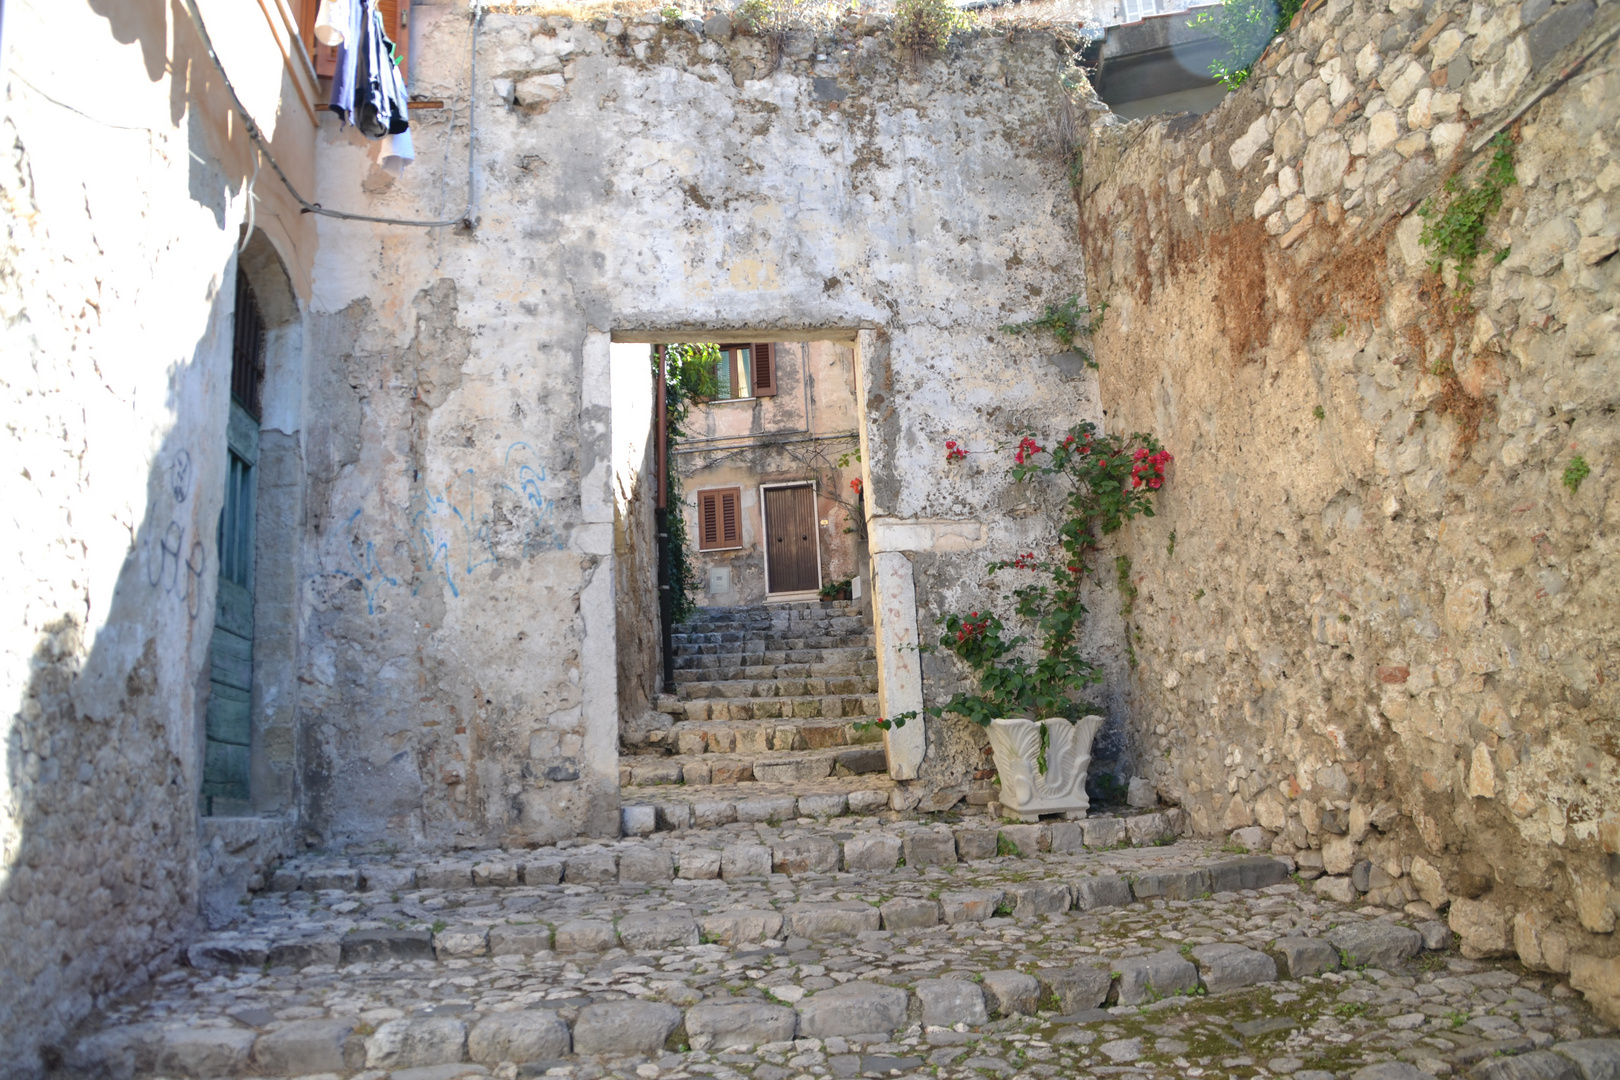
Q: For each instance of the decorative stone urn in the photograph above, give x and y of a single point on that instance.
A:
(1026, 791)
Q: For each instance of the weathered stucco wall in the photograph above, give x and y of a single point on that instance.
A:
(630, 177)
(124, 196)
(1386, 633)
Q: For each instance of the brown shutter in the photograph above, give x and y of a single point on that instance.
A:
(395, 14)
(764, 369)
(730, 534)
(709, 526)
(719, 519)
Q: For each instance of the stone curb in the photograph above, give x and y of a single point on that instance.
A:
(666, 929)
(635, 863)
(638, 1028)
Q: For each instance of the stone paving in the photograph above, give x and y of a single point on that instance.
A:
(837, 948)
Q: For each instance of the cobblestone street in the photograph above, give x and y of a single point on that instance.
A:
(854, 947)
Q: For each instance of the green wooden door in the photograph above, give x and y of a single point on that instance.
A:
(230, 712)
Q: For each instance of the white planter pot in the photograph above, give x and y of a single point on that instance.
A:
(1025, 790)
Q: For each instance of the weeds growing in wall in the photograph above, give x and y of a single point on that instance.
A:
(1245, 27)
(923, 28)
(1067, 321)
(689, 378)
(1453, 232)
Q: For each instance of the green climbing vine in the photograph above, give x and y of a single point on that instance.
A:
(689, 379)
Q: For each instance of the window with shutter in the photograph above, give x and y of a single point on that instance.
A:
(730, 534)
(764, 369)
(719, 519)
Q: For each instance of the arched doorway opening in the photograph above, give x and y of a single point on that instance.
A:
(249, 745)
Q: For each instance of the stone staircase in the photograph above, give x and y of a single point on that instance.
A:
(768, 705)
(1106, 948)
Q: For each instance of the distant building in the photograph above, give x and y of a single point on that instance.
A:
(1147, 58)
(770, 475)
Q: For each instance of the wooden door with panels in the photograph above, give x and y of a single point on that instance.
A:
(792, 544)
(229, 723)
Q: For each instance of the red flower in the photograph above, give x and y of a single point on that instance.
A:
(1155, 483)
(1136, 481)
(1027, 448)
(1141, 452)
(855, 485)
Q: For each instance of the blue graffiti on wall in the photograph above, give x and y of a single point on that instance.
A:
(448, 535)
(529, 478)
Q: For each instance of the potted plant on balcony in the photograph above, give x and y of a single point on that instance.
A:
(1029, 685)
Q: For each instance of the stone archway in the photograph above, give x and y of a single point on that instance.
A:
(268, 568)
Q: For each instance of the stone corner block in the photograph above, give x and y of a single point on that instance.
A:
(739, 1025)
(416, 1041)
(1157, 975)
(622, 1028)
(946, 1002)
(531, 1035)
(871, 851)
(1224, 967)
(657, 929)
(1012, 993)
(853, 1008)
(929, 847)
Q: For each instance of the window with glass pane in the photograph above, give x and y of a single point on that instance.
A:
(734, 372)
(236, 523)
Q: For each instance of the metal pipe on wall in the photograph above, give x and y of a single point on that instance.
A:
(666, 594)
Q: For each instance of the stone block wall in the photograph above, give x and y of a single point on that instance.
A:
(1386, 631)
(631, 178)
(123, 199)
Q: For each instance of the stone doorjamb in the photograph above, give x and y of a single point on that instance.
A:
(892, 541)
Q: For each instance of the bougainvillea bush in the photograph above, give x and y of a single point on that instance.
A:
(1110, 480)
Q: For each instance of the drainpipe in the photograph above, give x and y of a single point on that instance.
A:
(666, 597)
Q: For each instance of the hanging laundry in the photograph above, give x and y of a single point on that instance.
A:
(395, 152)
(380, 101)
(346, 19)
(333, 24)
(368, 89)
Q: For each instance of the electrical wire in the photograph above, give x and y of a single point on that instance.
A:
(252, 205)
(467, 219)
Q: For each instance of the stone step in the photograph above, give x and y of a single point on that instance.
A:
(842, 619)
(721, 657)
(784, 687)
(685, 807)
(869, 938)
(824, 609)
(850, 706)
(775, 658)
(761, 736)
(776, 767)
(716, 672)
(709, 644)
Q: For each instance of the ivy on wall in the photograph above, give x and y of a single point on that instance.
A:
(689, 379)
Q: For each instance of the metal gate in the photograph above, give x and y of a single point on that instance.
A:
(792, 556)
